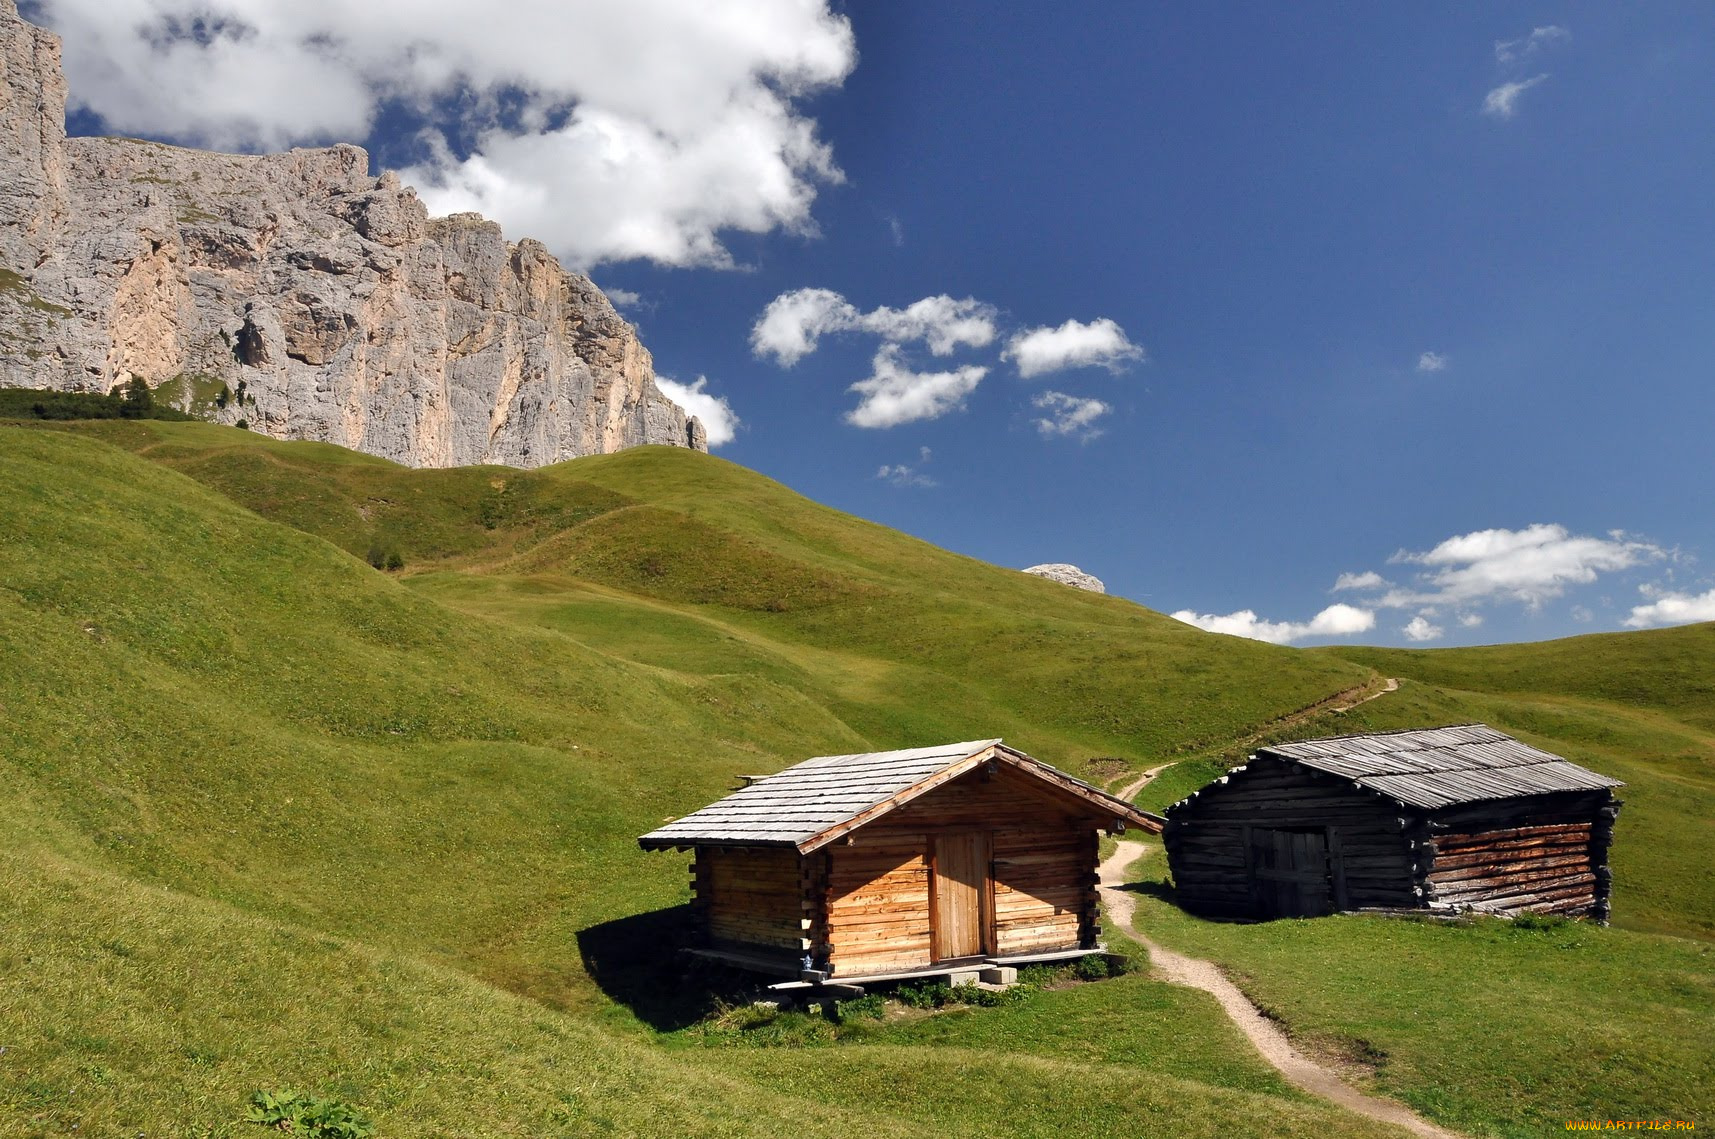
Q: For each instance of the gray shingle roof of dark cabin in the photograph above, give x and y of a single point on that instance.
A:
(809, 799)
(1442, 767)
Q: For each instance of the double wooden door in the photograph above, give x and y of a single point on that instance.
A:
(959, 893)
(1291, 872)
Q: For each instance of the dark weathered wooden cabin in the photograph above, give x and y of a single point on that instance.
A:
(1443, 818)
(887, 863)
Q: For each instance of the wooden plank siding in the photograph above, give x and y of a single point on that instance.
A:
(1040, 894)
(1211, 841)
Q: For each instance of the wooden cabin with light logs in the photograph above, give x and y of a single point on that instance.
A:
(899, 863)
(1456, 818)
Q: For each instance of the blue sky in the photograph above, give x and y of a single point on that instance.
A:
(1420, 297)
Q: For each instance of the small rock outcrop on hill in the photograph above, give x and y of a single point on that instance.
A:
(300, 294)
(1069, 575)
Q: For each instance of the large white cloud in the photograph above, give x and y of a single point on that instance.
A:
(1672, 609)
(635, 128)
(1038, 351)
(1532, 565)
(793, 323)
(894, 394)
(720, 422)
(1334, 621)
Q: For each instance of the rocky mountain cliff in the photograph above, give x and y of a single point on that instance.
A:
(298, 293)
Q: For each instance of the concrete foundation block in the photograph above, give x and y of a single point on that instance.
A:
(1000, 975)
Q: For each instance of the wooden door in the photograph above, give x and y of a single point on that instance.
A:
(1291, 872)
(959, 898)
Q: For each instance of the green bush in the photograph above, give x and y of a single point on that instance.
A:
(871, 1007)
(385, 556)
(924, 996)
(1040, 976)
(307, 1115)
(1546, 923)
(1092, 968)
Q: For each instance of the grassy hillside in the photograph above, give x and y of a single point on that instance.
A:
(279, 818)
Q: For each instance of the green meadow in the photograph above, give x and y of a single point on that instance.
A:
(282, 819)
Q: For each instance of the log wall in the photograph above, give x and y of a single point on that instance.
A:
(751, 899)
(1042, 895)
(1378, 856)
(1542, 854)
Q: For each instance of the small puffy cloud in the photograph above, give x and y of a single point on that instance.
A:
(944, 324)
(664, 124)
(622, 298)
(1038, 351)
(1470, 620)
(901, 474)
(1419, 629)
(894, 394)
(1532, 565)
(793, 323)
(1502, 101)
(1513, 51)
(1672, 609)
(1068, 415)
(719, 419)
(1334, 621)
(1431, 362)
(1369, 579)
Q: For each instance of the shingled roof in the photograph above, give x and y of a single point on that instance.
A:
(1442, 767)
(814, 802)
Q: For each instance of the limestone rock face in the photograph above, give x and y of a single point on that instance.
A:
(1068, 575)
(346, 313)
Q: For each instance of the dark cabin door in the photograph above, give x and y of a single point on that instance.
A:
(1291, 872)
(960, 894)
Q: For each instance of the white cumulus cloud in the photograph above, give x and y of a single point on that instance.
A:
(1532, 565)
(1431, 362)
(1420, 629)
(1672, 609)
(1502, 102)
(610, 130)
(1369, 579)
(1069, 415)
(1038, 351)
(894, 394)
(719, 419)
(793, 323)
(1334, 621)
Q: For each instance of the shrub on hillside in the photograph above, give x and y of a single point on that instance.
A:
(307, 1115)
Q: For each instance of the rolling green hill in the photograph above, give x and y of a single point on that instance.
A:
(280, 818)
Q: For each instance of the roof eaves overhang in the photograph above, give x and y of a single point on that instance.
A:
(1122, 811)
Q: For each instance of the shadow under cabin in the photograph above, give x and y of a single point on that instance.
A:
(888, 865)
